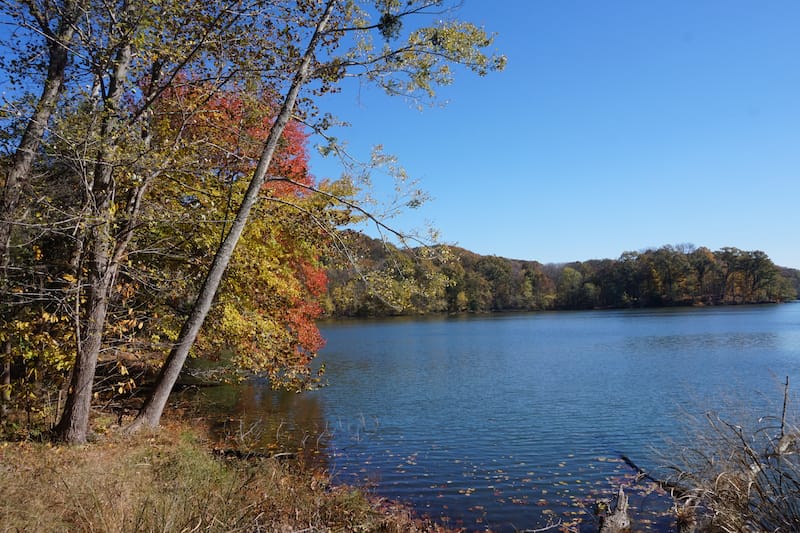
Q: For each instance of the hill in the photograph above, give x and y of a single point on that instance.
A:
(381, 279)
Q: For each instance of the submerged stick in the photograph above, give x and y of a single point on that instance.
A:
(674, 489)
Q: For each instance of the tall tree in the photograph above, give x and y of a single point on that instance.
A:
(150, 414)
(423, 59)
(53, 25)
(265, 309)
(704, 264)
(133, 51)
(111, 146)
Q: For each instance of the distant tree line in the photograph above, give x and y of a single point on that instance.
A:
(446, 279)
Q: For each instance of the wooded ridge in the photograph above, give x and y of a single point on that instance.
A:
(390, 280)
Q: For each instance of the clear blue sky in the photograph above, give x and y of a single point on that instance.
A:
(617, 125)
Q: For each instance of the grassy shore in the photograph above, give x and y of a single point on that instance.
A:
(171, 481)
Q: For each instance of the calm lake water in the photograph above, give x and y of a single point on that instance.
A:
(514, 421)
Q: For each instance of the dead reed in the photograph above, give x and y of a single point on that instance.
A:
(741, 478)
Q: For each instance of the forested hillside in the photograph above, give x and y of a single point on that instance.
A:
(393, 281)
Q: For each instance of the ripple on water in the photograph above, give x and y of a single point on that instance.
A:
(517, 421)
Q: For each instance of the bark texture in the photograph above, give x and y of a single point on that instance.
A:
(73, 427)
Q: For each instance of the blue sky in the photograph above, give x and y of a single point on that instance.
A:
(617, 125)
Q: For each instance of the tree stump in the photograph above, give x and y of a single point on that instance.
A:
(618, 521)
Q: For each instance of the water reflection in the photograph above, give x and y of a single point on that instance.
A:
(253, 416)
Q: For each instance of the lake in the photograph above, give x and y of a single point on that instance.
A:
(517, 421)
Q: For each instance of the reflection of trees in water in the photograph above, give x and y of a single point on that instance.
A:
(252, 417)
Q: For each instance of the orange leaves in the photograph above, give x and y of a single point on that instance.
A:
(301, 319)
(265, 310)
(223, 132)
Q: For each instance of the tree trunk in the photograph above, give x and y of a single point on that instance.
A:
(5, 383)
(22, 163)
(111, 229)
(618, 521)
(73, 427)
(150, 415)
(20, 171)
(34, 130)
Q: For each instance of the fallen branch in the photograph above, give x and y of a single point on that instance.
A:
(232, 453)
(675, 490)
(546, 528)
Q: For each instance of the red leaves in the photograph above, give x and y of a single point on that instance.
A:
(267, 308)
(227, 130)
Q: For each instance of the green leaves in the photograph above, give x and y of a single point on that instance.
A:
(418, 52)
(427, 58)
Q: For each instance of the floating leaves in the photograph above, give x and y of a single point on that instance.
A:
(503, 493)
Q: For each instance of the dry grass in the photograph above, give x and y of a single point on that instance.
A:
(740, 479)
(169, 481)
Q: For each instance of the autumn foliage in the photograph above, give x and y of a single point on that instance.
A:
(226, 131)
(207, 143)
(136, 158)
(265, 312)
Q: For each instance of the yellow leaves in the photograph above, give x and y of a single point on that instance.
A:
(124, 386)
(46, 340)
(126, 326)
(51, 318)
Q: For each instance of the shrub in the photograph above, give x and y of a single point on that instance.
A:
(736, 478)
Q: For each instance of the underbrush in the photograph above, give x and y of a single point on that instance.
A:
(741, 477)
(170, 481)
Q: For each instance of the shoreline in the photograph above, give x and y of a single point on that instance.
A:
(174, 479)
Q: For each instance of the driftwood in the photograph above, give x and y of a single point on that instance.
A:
(673, 488)
(617, 521)
(232, 453)
(685, 508)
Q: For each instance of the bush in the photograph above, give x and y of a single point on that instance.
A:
(737, 479)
